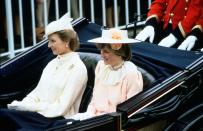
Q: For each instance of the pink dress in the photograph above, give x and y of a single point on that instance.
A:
(113, 87)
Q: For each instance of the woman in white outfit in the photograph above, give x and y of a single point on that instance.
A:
(59, 91)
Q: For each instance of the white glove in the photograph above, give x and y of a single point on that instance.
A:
(23, 106)
(202, 49)
(82, 116)
(168, 41)
(188, 43)
(147, 32)
(16, 105)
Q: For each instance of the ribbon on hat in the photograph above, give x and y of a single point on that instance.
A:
(65, 19)
(115, 35)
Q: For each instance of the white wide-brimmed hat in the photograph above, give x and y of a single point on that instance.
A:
(61, 24)
(113, 36)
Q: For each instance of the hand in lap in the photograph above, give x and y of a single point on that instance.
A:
(82, 116)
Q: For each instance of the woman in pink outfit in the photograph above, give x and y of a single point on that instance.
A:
(116, 77)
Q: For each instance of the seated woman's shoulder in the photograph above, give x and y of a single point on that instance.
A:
(80, 64)
(101, 63)
(130, 66)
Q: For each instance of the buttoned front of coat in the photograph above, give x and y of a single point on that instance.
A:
(181, 13)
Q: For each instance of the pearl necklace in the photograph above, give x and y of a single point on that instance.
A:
(118, 66)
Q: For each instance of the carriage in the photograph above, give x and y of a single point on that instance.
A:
(172, 84)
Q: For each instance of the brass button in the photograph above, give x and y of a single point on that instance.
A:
(185, 8)
(171, 14)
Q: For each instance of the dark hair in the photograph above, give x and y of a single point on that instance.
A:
(71, 36)
(124, 51)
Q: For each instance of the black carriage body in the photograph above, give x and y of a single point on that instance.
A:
(172, 81)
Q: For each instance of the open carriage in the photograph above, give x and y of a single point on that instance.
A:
(172, 83)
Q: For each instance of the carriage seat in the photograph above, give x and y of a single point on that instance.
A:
(90, 60)
(147, 77)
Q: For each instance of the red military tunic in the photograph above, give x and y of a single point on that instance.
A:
(199, 23)
(181, 13)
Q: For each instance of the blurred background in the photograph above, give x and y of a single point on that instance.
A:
(23, 21)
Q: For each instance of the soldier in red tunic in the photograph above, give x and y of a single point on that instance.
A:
(195, 39)
(169, 21)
